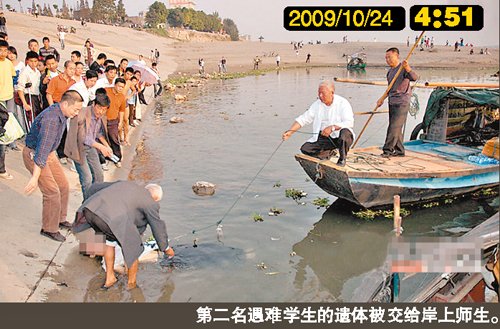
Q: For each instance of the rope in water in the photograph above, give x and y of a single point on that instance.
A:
(219, 222)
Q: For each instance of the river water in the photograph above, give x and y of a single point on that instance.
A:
(231, 128)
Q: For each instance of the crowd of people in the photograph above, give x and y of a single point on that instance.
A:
(108, 95)
(80, 112)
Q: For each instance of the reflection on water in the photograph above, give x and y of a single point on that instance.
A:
(230, 129)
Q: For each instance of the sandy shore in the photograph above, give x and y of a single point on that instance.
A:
(29, 261)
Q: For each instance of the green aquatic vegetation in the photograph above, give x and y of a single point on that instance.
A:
(257, 217)
(277, 184)
(485, 192)
(295, 194)
(321, 202)
(430, 204)
(369, 214)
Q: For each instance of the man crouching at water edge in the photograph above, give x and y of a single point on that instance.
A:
(333, 122)
(119, 213)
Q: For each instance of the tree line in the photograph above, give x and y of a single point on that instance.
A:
(113, 12)
(188, 18)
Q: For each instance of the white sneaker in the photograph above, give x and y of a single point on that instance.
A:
(63, 161)
(118, 165)
(105, 166)
(6, 175)
(73, 168)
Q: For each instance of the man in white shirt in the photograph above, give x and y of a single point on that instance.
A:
(108, 81)
(28, 88)
(333, 122)
(85, 86)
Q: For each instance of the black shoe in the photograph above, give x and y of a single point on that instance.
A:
(341, 163)
(398, 155)
(386, 155)
(54, 236)
(66, 225)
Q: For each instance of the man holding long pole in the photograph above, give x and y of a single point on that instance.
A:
(399, 102)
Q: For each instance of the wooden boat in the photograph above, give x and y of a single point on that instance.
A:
(356, 61)
(453, 287)
(436, 165)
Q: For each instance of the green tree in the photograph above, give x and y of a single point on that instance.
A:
(157, 14)
(120, 11)
(175, 18)
(56, 8)
(104, 11)
(231, 29)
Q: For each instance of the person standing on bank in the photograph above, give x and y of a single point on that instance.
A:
(86, 136)
(140, 207)
(333, 122)
(40, 159)
(399, 103)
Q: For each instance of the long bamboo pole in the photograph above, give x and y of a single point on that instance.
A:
(388, 88)
(427, 84)
(374, 83)
(371, 112)
(462, 84)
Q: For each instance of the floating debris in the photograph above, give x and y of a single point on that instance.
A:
(262, 266)
(275, 211)
(195, 243)
(293, 253)
(321, 202)
(204, 188)
(272, 273)
(277, 185)
(176, 120)
(275, 239)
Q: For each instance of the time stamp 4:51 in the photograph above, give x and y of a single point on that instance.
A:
(384, 18)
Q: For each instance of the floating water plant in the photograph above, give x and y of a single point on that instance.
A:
(321, 202)
(295, 194)
(430, 204)
(370, 214)
(257, 217)
(277, 185)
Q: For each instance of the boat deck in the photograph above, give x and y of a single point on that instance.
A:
(423, 159)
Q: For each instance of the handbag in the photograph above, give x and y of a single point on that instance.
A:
(13, 130)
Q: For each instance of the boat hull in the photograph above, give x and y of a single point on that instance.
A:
(372, 192)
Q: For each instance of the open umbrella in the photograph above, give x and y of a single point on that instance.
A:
(147, 74)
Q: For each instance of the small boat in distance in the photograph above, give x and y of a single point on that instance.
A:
(445, 160)
(356, 61)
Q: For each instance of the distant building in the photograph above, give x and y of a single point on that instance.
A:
(182, 4)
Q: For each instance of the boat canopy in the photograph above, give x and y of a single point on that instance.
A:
(477, 96)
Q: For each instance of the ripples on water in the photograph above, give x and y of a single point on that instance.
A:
(230, 129)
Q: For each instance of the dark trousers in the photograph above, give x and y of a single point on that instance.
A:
(394, 138)
(2, 159)
(60, 148)
(325, 144)
(158, 88)
(113, 138)
(98, 224)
